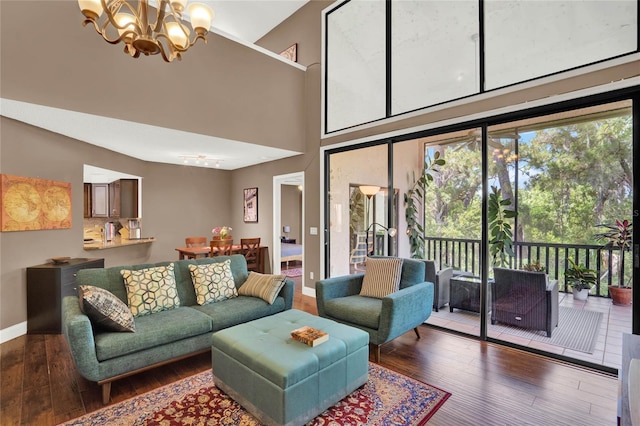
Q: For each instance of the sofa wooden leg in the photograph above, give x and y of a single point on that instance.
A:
(376, 353)
(106, 392)
(417, 332)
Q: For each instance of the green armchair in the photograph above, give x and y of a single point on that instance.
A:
(384, 319)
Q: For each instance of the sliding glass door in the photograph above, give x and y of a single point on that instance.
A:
(516, 214)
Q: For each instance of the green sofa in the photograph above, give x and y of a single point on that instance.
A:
(160, 337)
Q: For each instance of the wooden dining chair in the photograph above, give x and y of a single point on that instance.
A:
(195, 241)
(221, 247)
(250, 248)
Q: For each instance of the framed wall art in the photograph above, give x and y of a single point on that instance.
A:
(251, 205)
(32, 204)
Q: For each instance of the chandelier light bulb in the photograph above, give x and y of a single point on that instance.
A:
(127, 22)
(201, 17)
(179, 5)
(91, 7)
(178, 35)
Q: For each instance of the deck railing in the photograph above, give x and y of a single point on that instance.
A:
(465, 254)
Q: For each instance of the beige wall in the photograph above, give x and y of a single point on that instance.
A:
(49, 58)
(177, 201)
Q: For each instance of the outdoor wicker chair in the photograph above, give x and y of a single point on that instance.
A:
(441, 280)
(524, 299)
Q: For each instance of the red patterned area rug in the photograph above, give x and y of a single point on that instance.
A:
(388, 398)
(293, 272)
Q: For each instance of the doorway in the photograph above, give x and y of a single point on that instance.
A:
(288, 224)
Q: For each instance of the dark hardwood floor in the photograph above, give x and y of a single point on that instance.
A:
(491, 385)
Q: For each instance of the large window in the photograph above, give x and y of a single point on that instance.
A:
(424, 34)
(529, 39)
(356, 57)
(385, 58)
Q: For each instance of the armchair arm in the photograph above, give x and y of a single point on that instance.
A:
(286, 292)
(79, 334)
(333, 288)
(405, 309)
(553, 303)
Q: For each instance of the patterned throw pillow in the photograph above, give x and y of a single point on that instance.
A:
(151, 290)
(263, 286)
(213, 282)
(104, 309)
(381, 277)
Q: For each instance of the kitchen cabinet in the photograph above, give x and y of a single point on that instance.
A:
(99, 200)
(123, 198)
(47, 285)
(87, 200)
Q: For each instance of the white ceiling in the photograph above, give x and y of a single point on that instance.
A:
(243, 20)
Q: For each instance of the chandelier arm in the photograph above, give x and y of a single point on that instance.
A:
(173, 54)
(110, 13)
(161, 15)
(143, 9)
(177, 19)
(177, 48)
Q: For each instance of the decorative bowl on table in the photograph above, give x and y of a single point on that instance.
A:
(60, 260)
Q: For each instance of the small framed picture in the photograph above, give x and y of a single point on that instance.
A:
(251, 205)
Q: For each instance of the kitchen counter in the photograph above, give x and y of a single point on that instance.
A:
(118, 242)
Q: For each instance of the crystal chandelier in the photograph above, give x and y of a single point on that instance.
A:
(146, 29)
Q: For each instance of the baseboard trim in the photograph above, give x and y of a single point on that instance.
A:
(308, 291)
(12, 332)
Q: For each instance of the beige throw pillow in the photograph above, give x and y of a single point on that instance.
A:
(381, 276)
(151, 290)
(213, 282)
(263, 286)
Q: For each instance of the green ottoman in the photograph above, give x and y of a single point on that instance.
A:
(282, 381)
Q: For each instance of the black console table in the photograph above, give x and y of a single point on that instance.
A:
(47, 285)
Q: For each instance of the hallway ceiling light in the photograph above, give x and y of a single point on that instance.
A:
(199, 160)
(145, 29)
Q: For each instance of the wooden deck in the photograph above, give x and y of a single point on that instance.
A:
(608, 349)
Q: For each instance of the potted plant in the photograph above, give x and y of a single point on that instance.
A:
(500, 234)
(534, 267)
(618, 236)
(581, 279)
(414, 204)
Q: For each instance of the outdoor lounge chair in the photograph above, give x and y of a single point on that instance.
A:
(441, 280)
(524, 299)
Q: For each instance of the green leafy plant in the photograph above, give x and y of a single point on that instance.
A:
(580, 277)
(534, 267)
(500, 234)
(414, 204)
(618, 235)
(356, 211)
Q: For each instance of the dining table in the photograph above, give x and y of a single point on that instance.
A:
(205, 251)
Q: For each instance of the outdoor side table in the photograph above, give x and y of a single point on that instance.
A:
(465, 293)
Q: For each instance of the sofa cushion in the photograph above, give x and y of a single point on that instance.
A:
(151, 290)
(363, 311)
(381, 277)
(105, 310)
(213, 282)
(153, 330)
(238, 310)
(264, 286)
